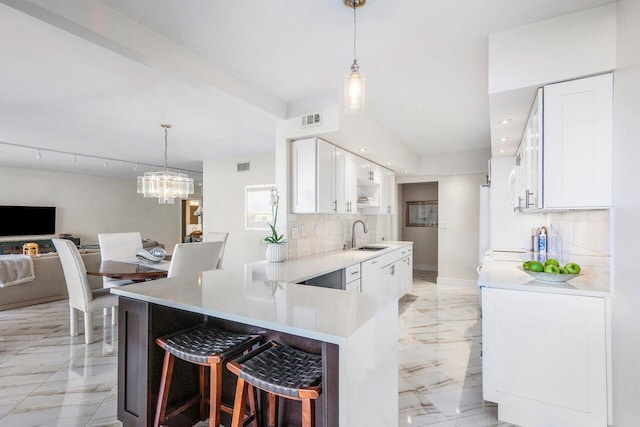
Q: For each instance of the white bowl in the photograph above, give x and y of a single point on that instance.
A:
(549, 277)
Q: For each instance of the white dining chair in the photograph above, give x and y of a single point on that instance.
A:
(191, 258)
(218, 236)
(81, 297)
(114, 246)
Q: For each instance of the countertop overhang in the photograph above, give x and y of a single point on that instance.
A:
(266, 295)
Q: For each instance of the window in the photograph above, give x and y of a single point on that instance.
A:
(258, 209)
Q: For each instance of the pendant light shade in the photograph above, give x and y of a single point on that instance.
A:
(165, 185)
(354, 83)
(354, 90)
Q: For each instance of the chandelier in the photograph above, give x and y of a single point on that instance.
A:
(165, 185)
(354, 84)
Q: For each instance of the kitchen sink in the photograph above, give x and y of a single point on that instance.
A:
(372, 248)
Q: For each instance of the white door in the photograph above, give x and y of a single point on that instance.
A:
(303, 175)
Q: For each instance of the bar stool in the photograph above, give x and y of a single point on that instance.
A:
(203, 346)
(281, 371)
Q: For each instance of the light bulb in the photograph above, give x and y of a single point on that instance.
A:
(354, 90)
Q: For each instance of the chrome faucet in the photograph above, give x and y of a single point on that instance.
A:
(353, 231)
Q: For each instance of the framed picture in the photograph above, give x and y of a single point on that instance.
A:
(422, 214)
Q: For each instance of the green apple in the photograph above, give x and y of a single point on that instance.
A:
(552, 269)
(536, 266)
(527, 265)
(563, 271)
(552, 261)
(572, 268)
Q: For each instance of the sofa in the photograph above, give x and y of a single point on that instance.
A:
(49, 284)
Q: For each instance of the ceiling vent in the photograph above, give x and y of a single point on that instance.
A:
(243, 167)
(313, 119)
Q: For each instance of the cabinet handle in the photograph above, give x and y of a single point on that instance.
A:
(519, 207)
(527, 203)
(393, 270)
(335, 206)
(354, 272)
(374, 262)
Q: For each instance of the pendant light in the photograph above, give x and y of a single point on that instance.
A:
(354, 84)
(165, 185)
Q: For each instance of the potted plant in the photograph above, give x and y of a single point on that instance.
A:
(275, 241)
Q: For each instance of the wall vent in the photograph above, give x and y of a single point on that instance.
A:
(243, 167)
(313, 119)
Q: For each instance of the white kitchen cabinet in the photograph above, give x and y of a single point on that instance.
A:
(370, 276)
(544, 357)
(347, 181)
(578, 117)
(317, 177)
(532, 157)
(387, 192)
(312, 176)
(352, 278)
(329, 179)
(389, 274)
(565, 157)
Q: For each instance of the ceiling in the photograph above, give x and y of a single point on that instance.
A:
(98, 77)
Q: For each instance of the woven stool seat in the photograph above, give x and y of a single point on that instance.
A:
(207, 347)
(197, 345)
(283, 370)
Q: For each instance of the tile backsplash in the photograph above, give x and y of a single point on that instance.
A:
(319, 233)
(584, 232)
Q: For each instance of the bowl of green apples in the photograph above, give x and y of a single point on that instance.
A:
(551, 271)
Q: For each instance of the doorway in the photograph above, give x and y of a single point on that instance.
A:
(419, 223)
(191, 220)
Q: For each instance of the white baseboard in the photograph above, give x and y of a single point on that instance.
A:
(450, 281)
(425, 267)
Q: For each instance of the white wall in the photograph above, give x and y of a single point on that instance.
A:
(88, 205)
(224, 204)
(626, 233)
(459, 211)
(557, 49)
(472, 161)
(425, 239)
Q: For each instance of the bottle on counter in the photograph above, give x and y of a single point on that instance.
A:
(535, 240)
(542, 240)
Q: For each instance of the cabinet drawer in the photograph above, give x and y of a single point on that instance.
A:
(352, 273)
(353, 286)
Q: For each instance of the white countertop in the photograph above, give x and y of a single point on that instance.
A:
(259, 294)
(499, 270)
(300, 269)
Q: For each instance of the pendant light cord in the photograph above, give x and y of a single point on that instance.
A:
(165, 150)
(354, 31)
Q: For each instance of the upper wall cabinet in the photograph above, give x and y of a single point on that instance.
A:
(328, 179)
(565, 158)
(578, 122)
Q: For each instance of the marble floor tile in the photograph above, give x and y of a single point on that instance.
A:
(48, 378)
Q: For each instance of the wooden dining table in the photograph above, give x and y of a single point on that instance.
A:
(125, 271)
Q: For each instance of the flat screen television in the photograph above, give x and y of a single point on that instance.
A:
(27, 220)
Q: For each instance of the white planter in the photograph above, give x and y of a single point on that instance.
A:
(275, 252)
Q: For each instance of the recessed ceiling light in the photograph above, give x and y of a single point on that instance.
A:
(362, 150)
(406, 171)
(388, 163)
(504, 121)
(501, 151)
(504, 138)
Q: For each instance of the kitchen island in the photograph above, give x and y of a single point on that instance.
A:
(546, 346)
(356, 334)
